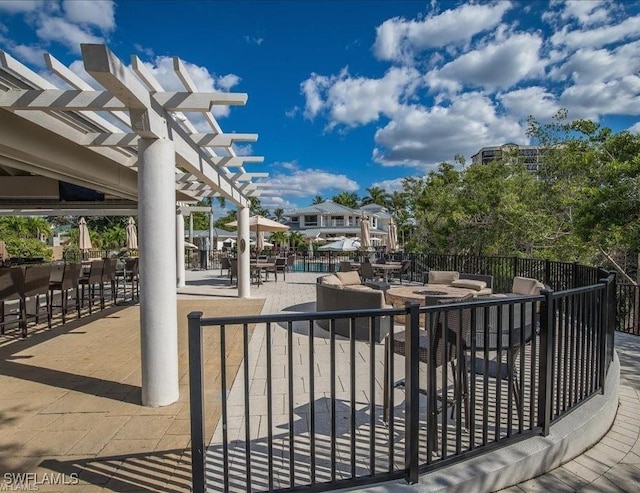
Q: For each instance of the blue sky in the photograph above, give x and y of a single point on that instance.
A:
(346, 95)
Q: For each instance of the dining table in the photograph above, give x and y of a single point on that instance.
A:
(261, 266)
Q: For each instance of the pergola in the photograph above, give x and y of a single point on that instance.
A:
(132, 143)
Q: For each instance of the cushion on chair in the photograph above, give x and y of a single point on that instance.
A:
(357, 287)
(443, 276)
(330, 280)
(349, 278)
(469, 284)
(526, 285)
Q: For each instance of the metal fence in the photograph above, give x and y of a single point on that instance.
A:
(324, 416)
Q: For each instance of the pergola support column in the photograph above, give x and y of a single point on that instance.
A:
(158, 299)
(180, 267)
(244, 277)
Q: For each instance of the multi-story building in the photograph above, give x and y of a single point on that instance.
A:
(531, 156)
(330, 220)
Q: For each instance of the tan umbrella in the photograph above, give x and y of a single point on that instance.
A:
(132, 235)
(365, 238)
(260, 241)
(260, 223)
(84, 240)
(392, 239)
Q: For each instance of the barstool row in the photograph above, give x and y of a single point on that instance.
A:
(29, 293)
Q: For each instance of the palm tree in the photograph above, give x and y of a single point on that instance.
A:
(317, 200)
(348, 199)
(376, 195)
(279, 237)
(278, 214)
(296, 238)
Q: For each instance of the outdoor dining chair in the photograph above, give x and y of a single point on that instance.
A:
(11, 281)
(90, 281)
(108, 279)
(224, 265)
(366, 272)
(128, 275)
(280, 265)
(35, 287)
(69, 282)
(436, 350)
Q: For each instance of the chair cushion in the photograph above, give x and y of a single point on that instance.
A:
(331, 280)
(349, 278)
(526, 285)
(469, 284)
(443, 276)
(358, 287)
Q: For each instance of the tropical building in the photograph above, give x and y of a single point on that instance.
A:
(329, 220)
(531, 156)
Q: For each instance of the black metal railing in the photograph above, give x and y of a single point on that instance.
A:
(314, 409)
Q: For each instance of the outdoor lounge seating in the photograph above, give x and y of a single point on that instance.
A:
(480, 283)
(343, 291)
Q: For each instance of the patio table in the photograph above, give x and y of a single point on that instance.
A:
(260, 267)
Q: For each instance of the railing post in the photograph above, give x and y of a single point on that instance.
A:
(196, 403)
(545, 372)
(574, 275)
(547, 272)
(604, 331)
(412, 390)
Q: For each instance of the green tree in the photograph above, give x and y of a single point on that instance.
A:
(317, 200)
(376, 195)
(348, 199)
(278, 214)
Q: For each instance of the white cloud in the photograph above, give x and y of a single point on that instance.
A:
(390, 186)
(96, 13)
(399, 39)
(598, 37)
(21, 6)
(30, 54)
(621, 96)
(274, 202)
(358, 101)
(499, 65)
(296, 182)
(585, 12)
(65, 33)
(424, 137)
(635, 128)
(588, 65)
(533, 101)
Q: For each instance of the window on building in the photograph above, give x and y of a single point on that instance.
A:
(310, 220)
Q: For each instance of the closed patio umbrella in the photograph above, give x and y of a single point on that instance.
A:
(132, 235)
(260, 241)
(84, 240)
(365, 238)
(392, 237)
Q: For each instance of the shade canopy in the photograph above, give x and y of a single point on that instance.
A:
(84, 240)
(346, 245)
(132, 235)
(190, 245)
(261, 223)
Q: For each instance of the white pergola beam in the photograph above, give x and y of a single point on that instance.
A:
(222, 140)
(198, 101)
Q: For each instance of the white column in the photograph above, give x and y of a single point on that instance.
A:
(211, 244)
(180, 268)
(244, 277)
(190, 227)
(158, 300)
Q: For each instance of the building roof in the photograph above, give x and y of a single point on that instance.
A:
(326, 207)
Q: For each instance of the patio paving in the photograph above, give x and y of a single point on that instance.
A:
(71, 400)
